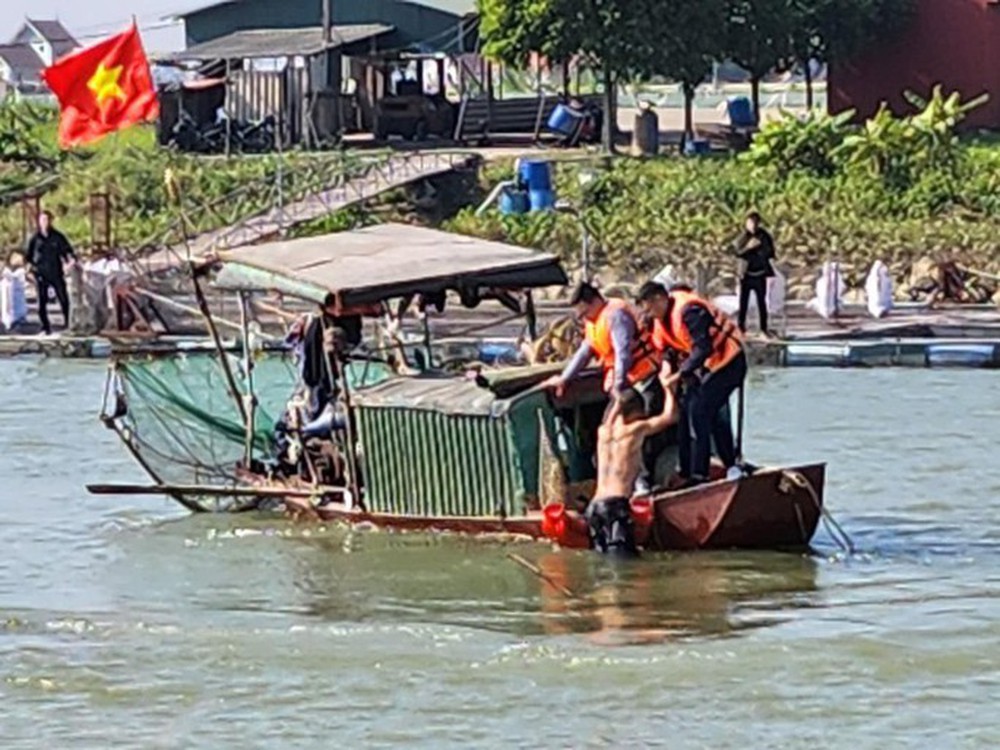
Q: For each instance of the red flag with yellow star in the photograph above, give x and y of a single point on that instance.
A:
(102, 89)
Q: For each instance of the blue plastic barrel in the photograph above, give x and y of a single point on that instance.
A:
(535, 174)
(514, 201)
(740, 112)
(542, 200)
(563, 120)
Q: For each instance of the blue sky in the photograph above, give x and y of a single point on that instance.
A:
(90, 19)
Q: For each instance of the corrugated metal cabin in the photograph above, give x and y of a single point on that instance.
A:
(446, 446)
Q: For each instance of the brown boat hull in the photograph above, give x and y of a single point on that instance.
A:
(768, 510)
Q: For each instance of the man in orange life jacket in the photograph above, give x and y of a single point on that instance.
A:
(623, 347)
(713, 366)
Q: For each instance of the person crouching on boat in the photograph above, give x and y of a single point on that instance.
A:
(620, 441)
(713, 366)
(624, 349)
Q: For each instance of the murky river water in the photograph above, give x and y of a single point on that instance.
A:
(125, 623)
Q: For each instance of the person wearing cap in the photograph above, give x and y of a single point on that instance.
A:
(614, 336)
(755, 249)
(712, 366)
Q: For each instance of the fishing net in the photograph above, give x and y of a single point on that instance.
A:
(185, 423)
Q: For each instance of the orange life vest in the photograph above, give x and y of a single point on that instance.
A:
(645, 359)
(727, 342)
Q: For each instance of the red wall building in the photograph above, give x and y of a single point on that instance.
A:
(952, 42)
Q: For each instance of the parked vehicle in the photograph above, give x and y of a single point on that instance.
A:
(414, 115)
(242, 136)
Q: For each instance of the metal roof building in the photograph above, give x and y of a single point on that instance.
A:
(414, 22)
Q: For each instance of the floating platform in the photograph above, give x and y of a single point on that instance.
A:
(966, 337)
(968, 353)
(963, 353)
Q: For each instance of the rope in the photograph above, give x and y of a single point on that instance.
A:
(841, 537)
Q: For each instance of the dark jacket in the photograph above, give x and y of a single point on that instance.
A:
(317, 372)
(47, 253)
(756, 250)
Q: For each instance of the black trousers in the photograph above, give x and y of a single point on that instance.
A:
(705, 419)
(653, 397)
(757, 285)
(42, 285)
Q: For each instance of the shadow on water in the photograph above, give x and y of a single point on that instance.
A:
(471, 583)
(261, 566)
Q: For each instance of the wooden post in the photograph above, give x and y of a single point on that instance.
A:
(229, 115)
(327, 24)
(531, 315)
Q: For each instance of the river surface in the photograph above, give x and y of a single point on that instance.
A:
(126, 623)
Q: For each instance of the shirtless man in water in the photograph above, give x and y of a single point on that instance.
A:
(619, 460)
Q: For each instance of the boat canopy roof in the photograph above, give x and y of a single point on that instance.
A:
(384, 262)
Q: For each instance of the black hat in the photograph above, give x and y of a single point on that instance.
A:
(585, 292)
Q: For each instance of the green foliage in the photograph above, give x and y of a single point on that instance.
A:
(643, 214)
(901, 151)
(129, 166)
(916, 160)
(807, 144)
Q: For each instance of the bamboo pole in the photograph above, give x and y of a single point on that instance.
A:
(250, 403)
(174, 490)
(227, 370)
(182, 307)
(153, 474)
(174, 193)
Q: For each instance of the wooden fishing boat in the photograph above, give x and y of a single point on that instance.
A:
(771, 509)
(472, 453)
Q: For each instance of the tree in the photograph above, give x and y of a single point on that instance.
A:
(758, 36)
(685, 42)
(834, 30)
(610, 33)
(512, 31)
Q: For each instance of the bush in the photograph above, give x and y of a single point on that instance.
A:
(792, 144)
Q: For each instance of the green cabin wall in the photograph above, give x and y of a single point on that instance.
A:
(413, 22)
(426, 463)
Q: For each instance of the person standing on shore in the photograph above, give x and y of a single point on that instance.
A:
(48, 252)
(755, 249)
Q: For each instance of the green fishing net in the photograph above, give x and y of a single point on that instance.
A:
(184, 421)
(185, 424)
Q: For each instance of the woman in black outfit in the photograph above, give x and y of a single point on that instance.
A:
(755, 249)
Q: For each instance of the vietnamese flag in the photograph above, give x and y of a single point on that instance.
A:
(102, 89)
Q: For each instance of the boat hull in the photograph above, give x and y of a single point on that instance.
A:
(775, 508)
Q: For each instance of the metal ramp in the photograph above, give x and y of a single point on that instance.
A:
(353, 184)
